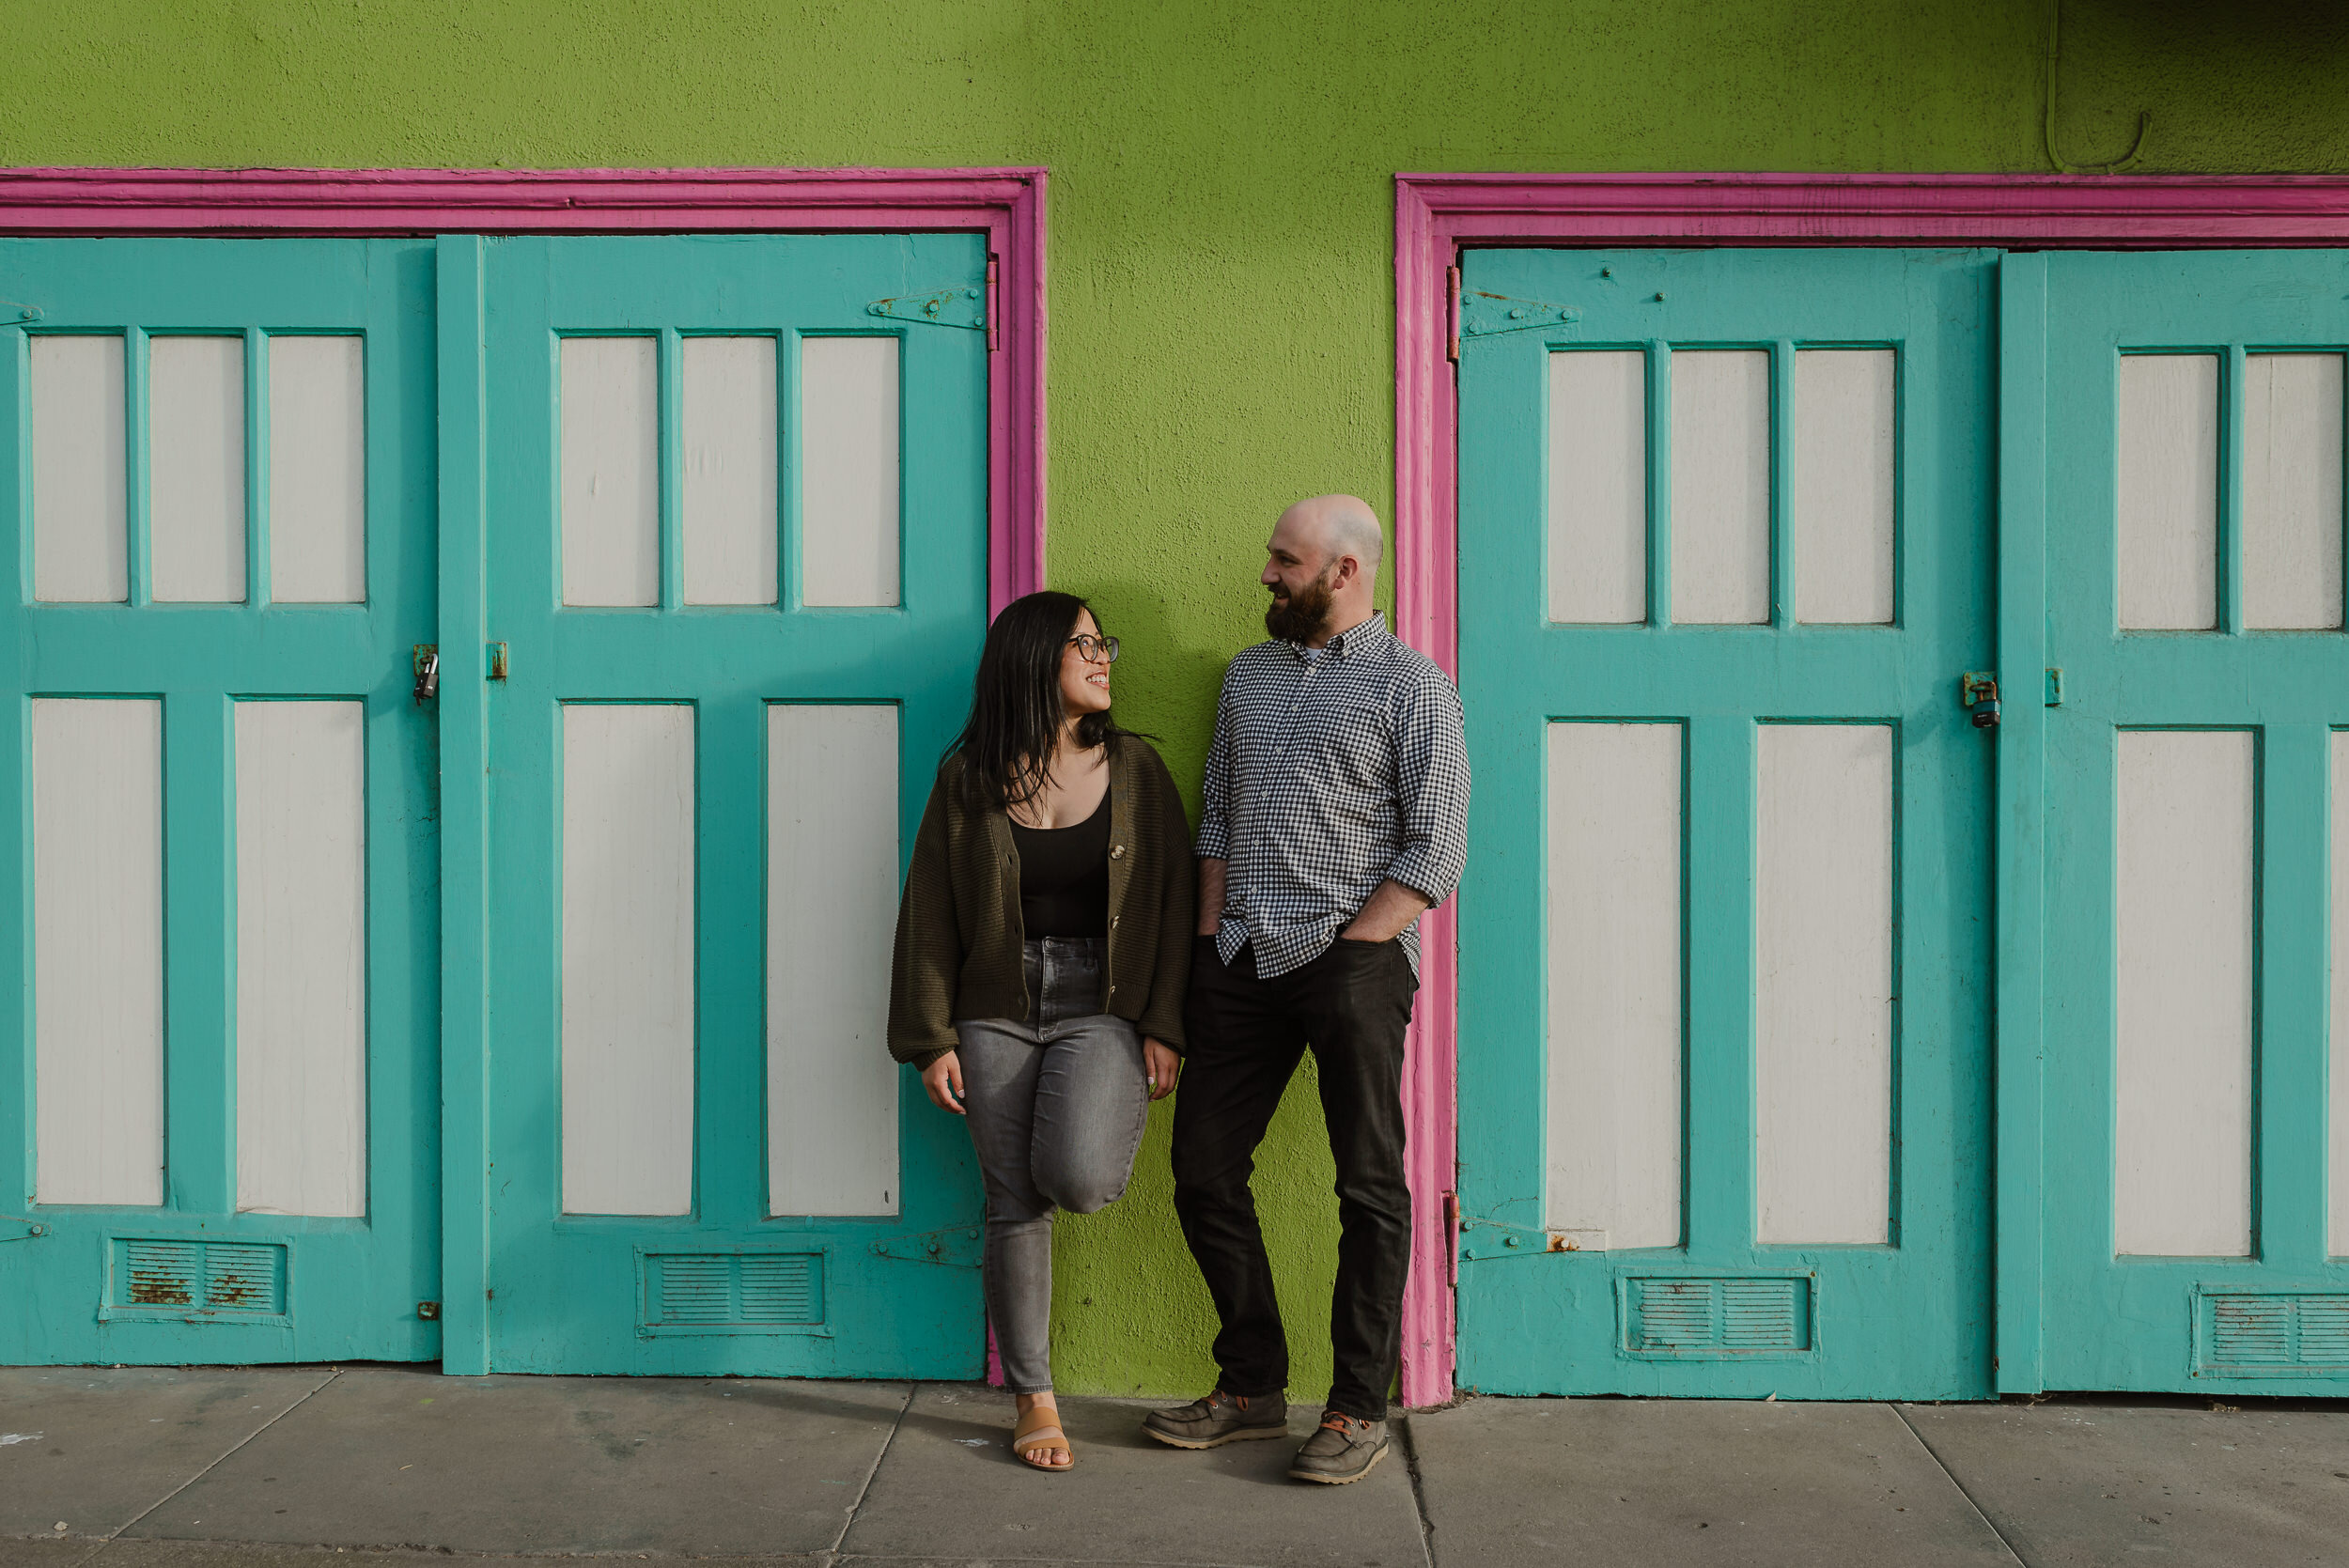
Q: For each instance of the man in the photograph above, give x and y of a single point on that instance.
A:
(1336, 811)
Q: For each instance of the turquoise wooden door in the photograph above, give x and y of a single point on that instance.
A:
(2198, 854)
(737, 560)
(218, 1118)
(1725, 552)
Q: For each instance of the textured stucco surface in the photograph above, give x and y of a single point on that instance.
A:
(1221, 250)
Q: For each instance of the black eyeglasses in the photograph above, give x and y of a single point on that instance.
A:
(1095, 650)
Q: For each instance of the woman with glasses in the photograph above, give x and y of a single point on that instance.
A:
(1042, 947)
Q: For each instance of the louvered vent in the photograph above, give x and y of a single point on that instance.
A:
(1714, 1317)
(2241, 1334)
(732, 1293)
(197, 1278)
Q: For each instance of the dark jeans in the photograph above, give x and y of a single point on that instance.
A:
(1246, 1034)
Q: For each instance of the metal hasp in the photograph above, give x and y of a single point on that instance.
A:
(500, 663)
(941, 307)
(13, 1229)
(429, 1311)
(12, 314)
(1491, 1240)
(1483, 315)
(1979, 690)
(428, 672)
(957, 1246)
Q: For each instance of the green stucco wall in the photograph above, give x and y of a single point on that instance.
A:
(1220, 246)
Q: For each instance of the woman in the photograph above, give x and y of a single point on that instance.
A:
(1043, 944)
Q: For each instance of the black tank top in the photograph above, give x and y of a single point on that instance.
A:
(1064, 877)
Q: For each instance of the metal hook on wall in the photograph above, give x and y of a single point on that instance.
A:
(2055, 56)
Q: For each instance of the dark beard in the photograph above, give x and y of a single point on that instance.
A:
(1305, 616)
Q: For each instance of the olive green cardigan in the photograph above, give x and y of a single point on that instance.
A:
(959, 934)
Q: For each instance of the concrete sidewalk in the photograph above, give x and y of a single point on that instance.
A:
(205, 1467)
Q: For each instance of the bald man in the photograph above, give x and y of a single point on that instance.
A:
(1336, 813)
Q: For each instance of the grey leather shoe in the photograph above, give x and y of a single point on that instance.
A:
(1219, 1419)
(1343, 1449)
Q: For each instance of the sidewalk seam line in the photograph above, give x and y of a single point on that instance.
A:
(1980, 1512)
(1419, 1493)
(230, 1452)
(832, 1552)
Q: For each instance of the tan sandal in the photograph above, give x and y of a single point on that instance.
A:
(1026, 1440)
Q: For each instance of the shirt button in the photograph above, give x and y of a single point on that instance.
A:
(1112, 923)
(1112, 991)
(1117, 852)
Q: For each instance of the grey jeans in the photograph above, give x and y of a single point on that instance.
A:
(1056, 1103)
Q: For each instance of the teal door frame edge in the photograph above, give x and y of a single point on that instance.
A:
(2019, 853)
(464, 705)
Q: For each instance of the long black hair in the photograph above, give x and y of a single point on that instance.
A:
(1007, 745)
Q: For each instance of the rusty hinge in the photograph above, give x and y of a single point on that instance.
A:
(964, 307)
(1451, 314)
(1484, 1240)
(429, 1311)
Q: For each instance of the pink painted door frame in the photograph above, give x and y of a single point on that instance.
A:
(1437, 215)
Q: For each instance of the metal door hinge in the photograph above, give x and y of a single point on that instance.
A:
(1490, 1240)
(12, 314)
(429, 1311)
(2055, 687)
(964, 307)
(13, 1229)
(428, 659)
(957, 1246)
(994, 300)
(1483, 315)
(1451, 314)
(499, 666)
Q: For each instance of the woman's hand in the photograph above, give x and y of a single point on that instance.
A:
(943, 1079)
(1162, 1066)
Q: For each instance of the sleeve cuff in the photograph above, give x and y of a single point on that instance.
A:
(1415, 877)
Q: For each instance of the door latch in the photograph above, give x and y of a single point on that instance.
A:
(428, 672)
(1979, 690)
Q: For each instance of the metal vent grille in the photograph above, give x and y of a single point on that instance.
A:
(732, 1293)
(197, 1278)
(2242, 1334)
(1716, 1317)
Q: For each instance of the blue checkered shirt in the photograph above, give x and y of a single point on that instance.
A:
(1328, 775)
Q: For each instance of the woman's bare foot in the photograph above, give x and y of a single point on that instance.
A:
(1044, 1456)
